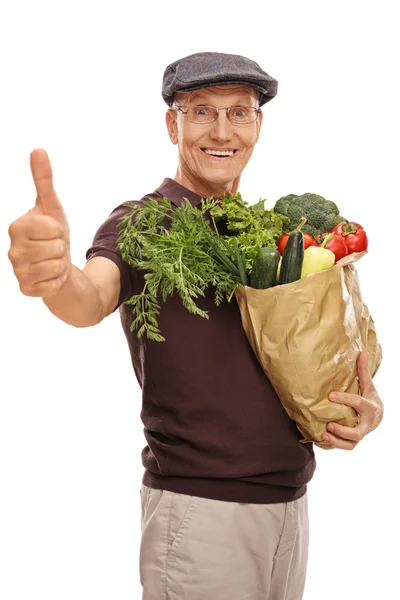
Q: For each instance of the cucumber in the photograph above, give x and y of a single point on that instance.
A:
(293, 255)
(265, 264)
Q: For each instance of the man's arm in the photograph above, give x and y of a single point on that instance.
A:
(41, 258)
(89, 295)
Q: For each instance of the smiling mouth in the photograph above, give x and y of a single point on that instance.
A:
(219, 153)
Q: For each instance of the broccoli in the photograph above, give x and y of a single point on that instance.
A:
(321, 214)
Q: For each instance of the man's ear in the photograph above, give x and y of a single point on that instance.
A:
(172, 125)
(259, 123)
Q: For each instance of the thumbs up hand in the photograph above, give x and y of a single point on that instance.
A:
(40, 243)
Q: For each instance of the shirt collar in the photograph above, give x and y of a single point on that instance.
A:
(176, 192)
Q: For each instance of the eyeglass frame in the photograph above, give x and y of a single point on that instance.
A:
(228, 109)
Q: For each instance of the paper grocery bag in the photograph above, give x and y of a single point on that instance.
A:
(307, 336)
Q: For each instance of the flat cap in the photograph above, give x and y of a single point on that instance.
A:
(207, 69)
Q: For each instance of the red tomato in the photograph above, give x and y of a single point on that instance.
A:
(309, 240)
(337, 245)
(347, 226)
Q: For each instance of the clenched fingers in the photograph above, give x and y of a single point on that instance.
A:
(35, 227)
(34, 251)
(47, 274)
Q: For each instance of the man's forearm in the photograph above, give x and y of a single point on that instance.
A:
(78, 302)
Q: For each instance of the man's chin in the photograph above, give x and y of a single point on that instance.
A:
(220, 179)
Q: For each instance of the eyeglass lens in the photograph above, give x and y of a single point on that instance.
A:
(208, 114)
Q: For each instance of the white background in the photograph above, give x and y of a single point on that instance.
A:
(82, 80)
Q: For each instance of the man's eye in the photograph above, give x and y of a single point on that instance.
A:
(202, 111)
(239, 112)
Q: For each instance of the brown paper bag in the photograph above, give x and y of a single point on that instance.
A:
(307, 336)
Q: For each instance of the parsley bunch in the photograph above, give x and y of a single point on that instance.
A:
(190, 255)
(253, 226)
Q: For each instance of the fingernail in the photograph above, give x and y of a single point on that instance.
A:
(333, 396)
(331, 427)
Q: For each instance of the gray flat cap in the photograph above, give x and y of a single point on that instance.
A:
(206, 69)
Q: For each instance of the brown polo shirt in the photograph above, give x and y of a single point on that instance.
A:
(214, 426)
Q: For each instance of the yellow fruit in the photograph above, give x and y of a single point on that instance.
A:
(316, 259)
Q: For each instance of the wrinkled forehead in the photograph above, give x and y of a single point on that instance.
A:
(233, 94)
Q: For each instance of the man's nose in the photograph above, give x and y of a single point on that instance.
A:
(222, 127)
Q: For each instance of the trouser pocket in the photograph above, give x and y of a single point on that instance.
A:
(166, 520)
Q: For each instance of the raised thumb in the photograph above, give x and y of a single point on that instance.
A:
(47, 202)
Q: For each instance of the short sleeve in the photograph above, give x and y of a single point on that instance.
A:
(105, 244)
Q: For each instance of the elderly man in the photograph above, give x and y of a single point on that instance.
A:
(224, 489)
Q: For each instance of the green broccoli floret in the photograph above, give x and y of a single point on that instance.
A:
(321, 214)
(282, 204)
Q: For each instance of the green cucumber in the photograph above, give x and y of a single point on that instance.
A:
(293, 255)
(265, 265)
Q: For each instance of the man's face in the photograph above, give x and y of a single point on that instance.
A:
(196, 140)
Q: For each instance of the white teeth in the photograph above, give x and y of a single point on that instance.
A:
(218, 153)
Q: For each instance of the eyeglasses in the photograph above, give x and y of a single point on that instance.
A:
(239, 115)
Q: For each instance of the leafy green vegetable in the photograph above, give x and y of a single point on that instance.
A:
(179, 258)
(322, 215)
(181, 251)
(254, 226)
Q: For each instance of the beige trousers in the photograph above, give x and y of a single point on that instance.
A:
(199, 549)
